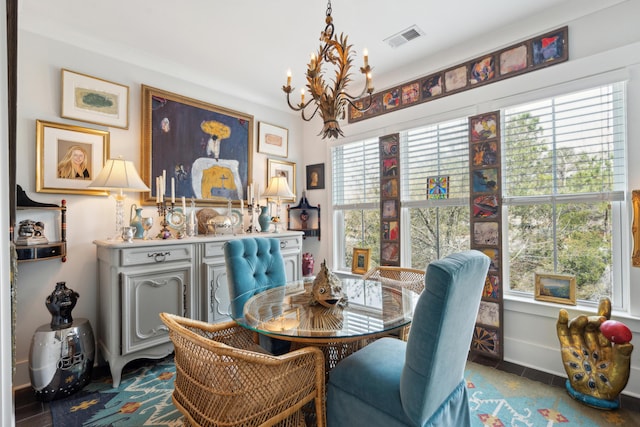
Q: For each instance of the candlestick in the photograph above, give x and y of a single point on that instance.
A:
(173, 190)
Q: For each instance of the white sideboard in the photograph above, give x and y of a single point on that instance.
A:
(187, 277)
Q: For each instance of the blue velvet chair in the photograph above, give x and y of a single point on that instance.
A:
(254, 264)
(419, 382)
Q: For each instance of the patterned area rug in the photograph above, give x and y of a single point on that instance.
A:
(496, 399)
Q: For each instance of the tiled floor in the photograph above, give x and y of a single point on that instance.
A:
(30, 412)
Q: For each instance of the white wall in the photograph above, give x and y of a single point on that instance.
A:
(603, 46)
(93, 217)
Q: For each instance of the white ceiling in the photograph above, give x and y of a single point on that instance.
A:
(245, 47)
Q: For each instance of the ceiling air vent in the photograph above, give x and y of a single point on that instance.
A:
(404, 36)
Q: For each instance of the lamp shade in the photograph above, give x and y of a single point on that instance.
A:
(119, 174)
(278, 188)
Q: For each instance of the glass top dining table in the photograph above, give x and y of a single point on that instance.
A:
(287, 312)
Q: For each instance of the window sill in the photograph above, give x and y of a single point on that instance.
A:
(520, 304)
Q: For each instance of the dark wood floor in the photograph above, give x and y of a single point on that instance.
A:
(30, 412)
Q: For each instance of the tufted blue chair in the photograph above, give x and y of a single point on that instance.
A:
(419, 382)
(254, 264)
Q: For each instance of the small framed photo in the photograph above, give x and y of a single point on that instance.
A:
(69, 157)
(315, 177)
(273, 140)
(360, 262)
(93, 100)
(558, 288)
(282, 168)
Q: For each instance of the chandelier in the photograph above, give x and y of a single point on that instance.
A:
(331, 99)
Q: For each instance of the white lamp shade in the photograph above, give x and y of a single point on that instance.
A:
(119, 174)
(278, 188)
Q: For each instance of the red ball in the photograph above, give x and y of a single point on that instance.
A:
(616, 332)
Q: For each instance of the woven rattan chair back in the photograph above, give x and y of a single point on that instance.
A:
(224, 379)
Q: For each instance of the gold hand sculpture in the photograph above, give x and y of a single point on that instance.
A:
(595, 366)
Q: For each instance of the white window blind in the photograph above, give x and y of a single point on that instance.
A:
(571, 146)
(356, 174)
(437, 150)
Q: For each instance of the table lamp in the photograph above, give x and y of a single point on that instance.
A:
(278, 188)
(117, 176)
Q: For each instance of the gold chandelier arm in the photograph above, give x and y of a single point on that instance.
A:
(363, 108)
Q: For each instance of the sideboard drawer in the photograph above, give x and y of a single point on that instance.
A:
(155, 254)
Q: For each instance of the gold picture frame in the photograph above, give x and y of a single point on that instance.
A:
(55, 142)
(93, 100)
(282, 168)
(635, 228)
(360, 260)
(206, 149)
(558, 288)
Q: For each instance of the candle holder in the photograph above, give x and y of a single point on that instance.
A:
(163, 211)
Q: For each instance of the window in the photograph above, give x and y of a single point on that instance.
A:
(563, 188)
(356, 200)
(563, 162)
(438, 228)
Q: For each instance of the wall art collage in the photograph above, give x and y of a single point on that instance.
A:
(535, 53)
(390, 200)
(486, 232)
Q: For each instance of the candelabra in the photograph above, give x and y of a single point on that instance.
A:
(163, 211)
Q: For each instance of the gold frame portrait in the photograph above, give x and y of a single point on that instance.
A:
(54, 138)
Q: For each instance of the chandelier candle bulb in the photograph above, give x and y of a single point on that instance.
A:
(173, 190)
(365, 54)
(288, 77)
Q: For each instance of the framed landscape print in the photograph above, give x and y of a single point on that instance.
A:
(560, 288)
(207, 149)
(69, 157)
(273, 139)
(94, 100)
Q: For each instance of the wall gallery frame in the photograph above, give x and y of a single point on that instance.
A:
(315, 177)
(360, 261)
(273, 140)
(283, 168)
(559, 288)
(93, 100)
(56, 143)
(207, 149)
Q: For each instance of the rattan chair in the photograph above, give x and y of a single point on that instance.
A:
(409, 278)
(224, 379)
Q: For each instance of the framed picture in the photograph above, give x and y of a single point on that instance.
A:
(360, 261)
(282, 168)
(69, 157)
(206, 149)
(550, 48)
(273, 140)
(93, 100)
(513, 60)
(437, 187)
(560, 288)
(315, 177)
(482, 70)
(635, 228)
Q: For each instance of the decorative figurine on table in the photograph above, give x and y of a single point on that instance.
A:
(327, 289)
(31, 233)
(596, 354)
